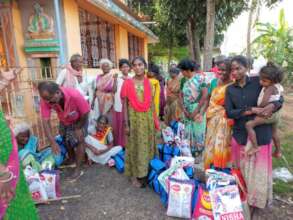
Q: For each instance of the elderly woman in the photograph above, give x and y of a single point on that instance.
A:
(194, 96)
(106, 84)
(71, 76)
(240, 102)
(29, 151)
(15, 198)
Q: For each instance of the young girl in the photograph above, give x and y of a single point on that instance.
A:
(119, 136)
(270, 79)
(100, 147)
(138, 123)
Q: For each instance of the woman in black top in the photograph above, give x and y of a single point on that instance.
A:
(240, 104)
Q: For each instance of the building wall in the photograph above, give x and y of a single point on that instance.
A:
(121, 42)
(71, 19)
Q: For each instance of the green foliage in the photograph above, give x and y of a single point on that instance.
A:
(275, 43)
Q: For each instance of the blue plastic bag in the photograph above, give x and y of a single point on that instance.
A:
(189, 172)
(167, 151)
(156, 167)
(119, 161)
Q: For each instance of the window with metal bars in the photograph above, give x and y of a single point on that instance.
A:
(135, 46)
(97, 39)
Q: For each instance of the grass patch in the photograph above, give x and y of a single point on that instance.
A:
(279, 186)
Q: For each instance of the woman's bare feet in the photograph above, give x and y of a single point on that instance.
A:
(277, 153)
(136, 183)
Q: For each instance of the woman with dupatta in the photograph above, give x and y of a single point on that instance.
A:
(218, 135)
(139, 124)
(15, 198)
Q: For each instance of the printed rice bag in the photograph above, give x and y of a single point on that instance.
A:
(180, 198)
(203, 208)
(216, 179)
(226, 203)
(176, 172)
(38, 191)
(51, 183)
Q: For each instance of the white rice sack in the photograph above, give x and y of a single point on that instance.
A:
(180, 198)
(175, 172)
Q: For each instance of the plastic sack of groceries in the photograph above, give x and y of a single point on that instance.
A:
(180, 198)
(175, 172)
(44, 185)
(182, 161)
(216, 179)
(168, 135)
(203, 207)
(226, 203)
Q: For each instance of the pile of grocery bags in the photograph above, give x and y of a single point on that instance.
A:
(172, 176)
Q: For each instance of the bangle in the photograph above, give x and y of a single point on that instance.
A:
(8, 179)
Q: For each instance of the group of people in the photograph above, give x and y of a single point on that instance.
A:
(229, 121)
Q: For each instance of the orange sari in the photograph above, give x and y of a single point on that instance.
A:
(218, 135)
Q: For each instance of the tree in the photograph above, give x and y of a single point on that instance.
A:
(191, 14)
(254, 9)
(275, 43)
(209, 37)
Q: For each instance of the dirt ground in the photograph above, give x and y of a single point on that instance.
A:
(106, 194)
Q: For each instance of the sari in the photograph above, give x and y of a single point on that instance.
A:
(157, 90)
(118, 115)
(30, 149)
(99, 141)
(104, 94)
(194, 130)
(257, 172)
(172, 108)
(22, 205)
(218, 135)
(141, 142)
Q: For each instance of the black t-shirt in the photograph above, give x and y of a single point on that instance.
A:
(239, 99)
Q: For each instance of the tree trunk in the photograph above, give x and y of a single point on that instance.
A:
(252, 7)
(191, 44)
(170, 51)
(193, 41)
(210, 35)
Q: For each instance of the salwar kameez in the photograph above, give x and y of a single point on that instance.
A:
(141, 142)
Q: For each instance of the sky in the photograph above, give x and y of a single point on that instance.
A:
(235, 36)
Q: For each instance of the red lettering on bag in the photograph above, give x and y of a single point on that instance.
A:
(232, 216)
(176, 188)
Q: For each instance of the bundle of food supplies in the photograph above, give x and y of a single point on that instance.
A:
(43, 185)
(220, 199)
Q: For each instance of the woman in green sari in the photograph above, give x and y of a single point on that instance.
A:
(15, 198)
(194, 93)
